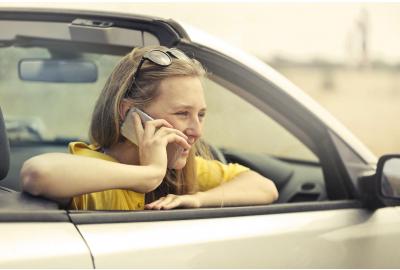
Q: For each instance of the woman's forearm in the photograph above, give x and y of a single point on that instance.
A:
(248, 188)
(60, 176)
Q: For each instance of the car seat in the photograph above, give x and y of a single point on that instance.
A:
(4, 149)
(9, 199)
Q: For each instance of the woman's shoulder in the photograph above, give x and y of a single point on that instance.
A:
(204, 165)
(201, 161)
(88, 150)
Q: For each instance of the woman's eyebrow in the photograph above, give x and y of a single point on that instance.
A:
(184, 106)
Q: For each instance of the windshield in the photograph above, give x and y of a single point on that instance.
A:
(48, 111)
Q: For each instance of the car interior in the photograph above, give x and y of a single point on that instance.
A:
(10, 198)
(296, 180)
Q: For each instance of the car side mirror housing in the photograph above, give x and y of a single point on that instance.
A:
(388, 176)
(383, 187)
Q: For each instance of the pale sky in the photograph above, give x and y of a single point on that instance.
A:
(300, 31)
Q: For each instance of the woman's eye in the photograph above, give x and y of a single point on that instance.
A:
(182, 113)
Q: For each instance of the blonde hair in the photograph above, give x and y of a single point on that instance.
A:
(106, 120)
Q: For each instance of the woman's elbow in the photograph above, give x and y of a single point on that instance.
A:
(272, 191)
(267, 188)
(33, 176)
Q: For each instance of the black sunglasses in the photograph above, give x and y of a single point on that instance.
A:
(158, 57)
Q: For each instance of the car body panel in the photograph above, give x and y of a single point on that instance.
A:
(335, 239)
(42, 245)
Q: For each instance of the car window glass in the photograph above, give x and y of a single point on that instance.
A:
(234, 123)
(48, 110)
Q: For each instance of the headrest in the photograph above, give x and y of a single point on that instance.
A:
(4, 149)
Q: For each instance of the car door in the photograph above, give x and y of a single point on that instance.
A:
(338, 235)
(34, 234)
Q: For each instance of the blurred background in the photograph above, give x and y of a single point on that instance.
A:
(344, 55)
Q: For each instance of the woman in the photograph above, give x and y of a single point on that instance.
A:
(115, 174)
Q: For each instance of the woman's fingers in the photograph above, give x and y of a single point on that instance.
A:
(166, 201)
(159, 127)
(174, 138)
(150, 127)
(153, 139)
(150, 206)
(158, 123)
(168, 134)
(173, 135)
(138, 126)
(154, 205)
(166, 130)
(174, 203)
(169, 202)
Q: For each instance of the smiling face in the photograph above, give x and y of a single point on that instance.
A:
(181, 102)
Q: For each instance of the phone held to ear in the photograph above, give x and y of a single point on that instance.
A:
(129, 132)
(128, 126)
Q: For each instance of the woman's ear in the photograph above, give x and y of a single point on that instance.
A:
(124, 107)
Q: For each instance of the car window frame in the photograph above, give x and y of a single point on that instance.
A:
(80, 217)
(281, 107)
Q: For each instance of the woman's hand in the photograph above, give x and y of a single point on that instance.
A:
(174, 201)
(153, 139)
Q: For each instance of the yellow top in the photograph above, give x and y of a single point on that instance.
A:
(210, 173)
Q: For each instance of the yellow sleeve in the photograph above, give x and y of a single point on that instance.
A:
(212, 173)
(114, 199)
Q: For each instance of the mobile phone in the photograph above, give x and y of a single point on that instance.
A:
(128, 131)
(128, 126)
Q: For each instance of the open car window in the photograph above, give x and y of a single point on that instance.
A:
(233, 123)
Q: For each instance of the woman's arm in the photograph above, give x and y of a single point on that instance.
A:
(61, 176)
(247, 188)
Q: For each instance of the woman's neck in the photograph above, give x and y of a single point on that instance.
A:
(124, 152)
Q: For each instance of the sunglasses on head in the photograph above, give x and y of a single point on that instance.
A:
(158, 57)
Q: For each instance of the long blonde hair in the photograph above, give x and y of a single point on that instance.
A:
(106, 120)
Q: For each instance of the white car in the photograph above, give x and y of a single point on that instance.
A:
(332, 210)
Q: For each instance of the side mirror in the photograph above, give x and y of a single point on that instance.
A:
(388, 176)
(382, 188)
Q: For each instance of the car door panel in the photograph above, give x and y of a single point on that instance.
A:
(291, 240)
(42, 245)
